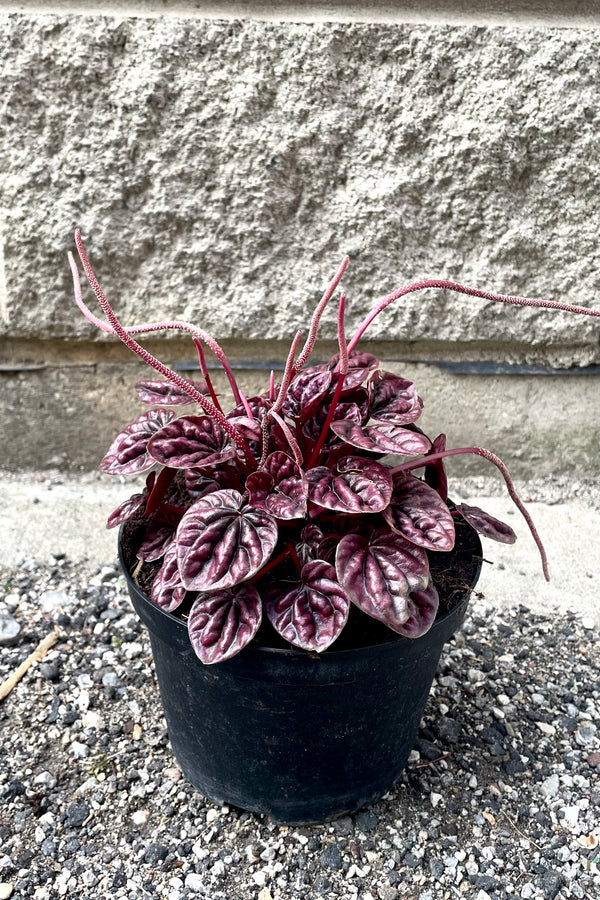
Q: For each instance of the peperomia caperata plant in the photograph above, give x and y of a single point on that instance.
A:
(286, 506)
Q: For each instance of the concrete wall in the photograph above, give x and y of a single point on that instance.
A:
(220, 168)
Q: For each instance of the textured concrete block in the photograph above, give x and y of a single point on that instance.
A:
(220, 171)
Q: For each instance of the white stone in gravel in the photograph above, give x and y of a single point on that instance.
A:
(79, 750)
(527, 890)
(571, 815)
(132, 650)
(140, 816)
(52, 600)
(47, 779)
(12, 601)
(546, 728)
(6, 889)
(199, 851)
(550, 786)
(259, 878)
(588, 623)
(265, 894)
(194, 882)
(435, 798)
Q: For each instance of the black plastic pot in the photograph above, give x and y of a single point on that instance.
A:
(301, 737)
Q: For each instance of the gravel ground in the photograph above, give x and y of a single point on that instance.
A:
(501, 797)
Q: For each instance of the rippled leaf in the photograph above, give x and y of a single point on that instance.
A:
(382, 438)
(199, 482)
(168, 591)
(422, 609)
(125, 510)
(394, 399)
(159, 534)
(486, 524)
(357, 485)
(418, 512)
(280, 487)
(221, 541)
(305, 392)
(221, 624)
(378, 574)
(165, 393)
(312, 612)
(128, 454)
(191, 441)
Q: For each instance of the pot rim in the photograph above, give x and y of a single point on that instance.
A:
(441, 623)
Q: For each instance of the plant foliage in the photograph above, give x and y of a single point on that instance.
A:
(287, 508)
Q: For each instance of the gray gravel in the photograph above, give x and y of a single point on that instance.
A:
(93, 805)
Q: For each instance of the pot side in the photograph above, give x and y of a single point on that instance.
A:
(301, 737)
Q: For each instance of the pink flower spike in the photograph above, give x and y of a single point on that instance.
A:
(79, 300)
(290, 438)
(472, 292)
(150, 360)
(314, 325)
(288, 374)
(343, 360)
(272, 386)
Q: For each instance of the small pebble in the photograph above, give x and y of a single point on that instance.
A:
(10, 630)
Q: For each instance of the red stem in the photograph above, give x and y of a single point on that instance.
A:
(323, 436)
(205, 375)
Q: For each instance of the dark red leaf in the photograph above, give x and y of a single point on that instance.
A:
(222, 542)
(165, 393)
(191, 441)
(280, 487)
(435, 472)
(159, 534)
(128, 454)
(358, 485)
(199, 482)
(307, 547)
(350, 412)
(306, 391)
(394, 399)
(422, 608)
(486, 524)
(382, 438)
(126, 509)
(167, 590)
(360, 366)
(222, 623)
(311, 613)
(379, 573)
(418, 512)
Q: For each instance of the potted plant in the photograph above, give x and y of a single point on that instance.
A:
(297, 562)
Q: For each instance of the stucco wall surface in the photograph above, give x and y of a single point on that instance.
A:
(220, 170)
